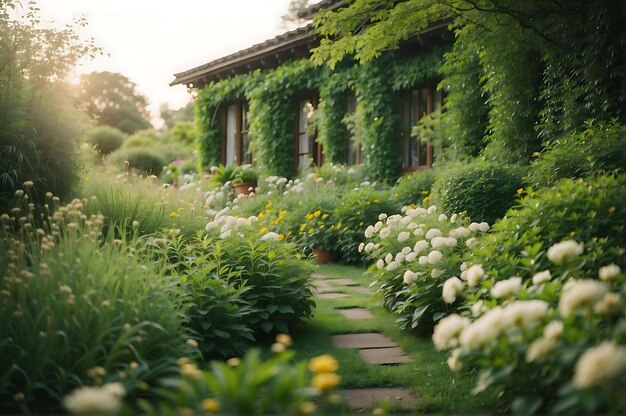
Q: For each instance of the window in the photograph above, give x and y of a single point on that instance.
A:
(417, 103)
(236, 148)
(306, 147)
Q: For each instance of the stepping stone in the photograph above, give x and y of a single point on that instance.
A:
(318, 276)
(365, 340)
(322, 286)
(361, 399)
(332, 295)
(356, 313)
(343, 282)
(385, 356)
(364, 290)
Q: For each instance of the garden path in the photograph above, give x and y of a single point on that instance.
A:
(374, 348)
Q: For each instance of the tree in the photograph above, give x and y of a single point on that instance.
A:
(39, 128)
(291, 18)
(112, 99)
(539, 68)
(171, 117)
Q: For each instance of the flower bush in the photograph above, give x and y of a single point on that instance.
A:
(81, 307)
(320, 230)
(415, 187)
(417, 256)
(544, 318)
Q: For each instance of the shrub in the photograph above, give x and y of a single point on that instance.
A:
(547, 304)
(82, 308)
(481, 190)
(105, 139)
(413, 188)
(144, 160)
(277, 277)
(245, 174)
(599, 147)
(143, 138)
(415, 255)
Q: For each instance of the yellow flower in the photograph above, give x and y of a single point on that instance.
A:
(261, 216)
(284, 339)
(324, 216)
(520, 191)
(211, 405)
(307, 408)
(263, 230)
(536, 154)
(612, 210)
(302, 227)
(317, 213)
(323, 364)
(325, 381)
(233, 362)
(281, 237)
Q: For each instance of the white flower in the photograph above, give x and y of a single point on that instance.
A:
(527, 313)
(451, 288)
(369, 231)
(408, 277)
(454, 361)
(473, 227)
(405, 220)
(384, 232)
(446, 333)
(382, 217)
(542, 277)
(369, 247)
(553, 330)
(463, 266)
(400, 257)
(432, 209)
(95, 400)
(419, 211)
(609, 304)
(423, 260)
(460, 232)
(609, 272)
(471, 242)
(474, 275)
(361, 247)
(483, 330)
(378, 226)
(412, 226)
(380, 264)
(418, 232)
(272, 236)
(406, 250)
(435, 257)
(564, 252)
(420, 246)
(403, 236)
(483, 227)
(432, 233)
(435, 273)
(478, 308)
(411, 256)
(442, 218)
(539, 349)
(506, 288)
(581, 294)
(599, 365)
(438, 242)
(392, 266)
(453, 218)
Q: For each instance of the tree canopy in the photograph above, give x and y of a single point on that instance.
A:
(113, 100)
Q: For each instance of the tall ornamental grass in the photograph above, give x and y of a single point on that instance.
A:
(78, 307)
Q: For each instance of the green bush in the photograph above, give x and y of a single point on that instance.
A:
(105, 139)
(413, 188)
(143, 138)
(546, 292)
(277, 277)
(481, 190)
(80, 307)
(600, 147)
(146, 161)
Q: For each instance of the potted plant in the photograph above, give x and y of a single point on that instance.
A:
(222, 174)
(320, 234)
(245, 179)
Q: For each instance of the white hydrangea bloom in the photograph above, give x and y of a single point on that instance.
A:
(460, 232)
(369, 247)
(95, 400)
(369, 231)
(451, 288)
(483, 227)
(411, 256)
(400, 257)
(507, 288)
(403, 236)
(610, 303)
(542, 277)
(473, 227)
(432, 209)
(411, 226)
(454, 360)
(438, 242)
(423, 260)
(453, 218)
(272, 236)
(610, 272)
(406, 250)
(435, 273)
(382, 217)
(483, 330)
(380, 264)
(385, 232)
(446, 333)
(553, 330)
(409, 277)
(405, 220)
(581, 294)
(539, 348)
(471, 242)
(478, 308)
(564, 251)
(420, 246)
(361, 247)
(432, 233)
(442, 218)
(435, 257)
(388, 258)
(418, 232)
(392, 266)
(599, 365)
(474, 275)
(378, 226)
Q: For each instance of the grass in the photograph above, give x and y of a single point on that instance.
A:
(437, 389)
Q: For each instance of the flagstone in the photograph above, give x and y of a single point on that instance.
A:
(385, 356)
(361, 399)
(364, 290)
(332, 295)
(342, 282)
(363, 340)
(356, 313)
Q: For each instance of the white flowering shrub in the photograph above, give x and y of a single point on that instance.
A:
(418, 257)
(545, 319)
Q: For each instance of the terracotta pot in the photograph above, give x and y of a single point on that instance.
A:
(323, 256)
(244, 188)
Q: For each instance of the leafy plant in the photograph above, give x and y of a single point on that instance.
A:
(414, 188)
(245, 174)
(144, 160)
(221, 174)
(105, 139)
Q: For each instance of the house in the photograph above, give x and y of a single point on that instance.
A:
(269, 105)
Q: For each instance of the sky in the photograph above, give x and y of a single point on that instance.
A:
(150, 40)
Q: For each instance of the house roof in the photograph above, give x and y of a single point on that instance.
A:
(312, 10)
(293, 44)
